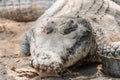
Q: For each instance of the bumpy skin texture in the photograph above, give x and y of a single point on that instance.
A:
(70, 31)
(23, 10)
(60, 45)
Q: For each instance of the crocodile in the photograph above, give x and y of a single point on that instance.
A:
(70, 32)
(23, 10)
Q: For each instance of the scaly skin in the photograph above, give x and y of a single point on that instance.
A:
(23, 10)
(70, 31)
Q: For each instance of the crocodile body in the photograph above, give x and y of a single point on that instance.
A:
(23, 10)
(71, 31)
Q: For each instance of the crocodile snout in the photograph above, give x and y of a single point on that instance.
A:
(47, 63)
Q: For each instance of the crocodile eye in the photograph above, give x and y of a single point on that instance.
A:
(69, 27)
(50, 27)
(85, 35)
(49, 30)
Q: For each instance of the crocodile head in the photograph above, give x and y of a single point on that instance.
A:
(60, 45)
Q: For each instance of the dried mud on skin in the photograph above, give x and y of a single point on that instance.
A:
(14, 66)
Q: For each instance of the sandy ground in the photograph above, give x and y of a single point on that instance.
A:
(14, 66)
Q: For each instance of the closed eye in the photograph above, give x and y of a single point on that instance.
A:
(85, 35)
(69, 30)
(69, 27)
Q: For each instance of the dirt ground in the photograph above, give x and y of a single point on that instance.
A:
(14, 66)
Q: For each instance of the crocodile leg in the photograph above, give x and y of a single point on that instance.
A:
(113, 49)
